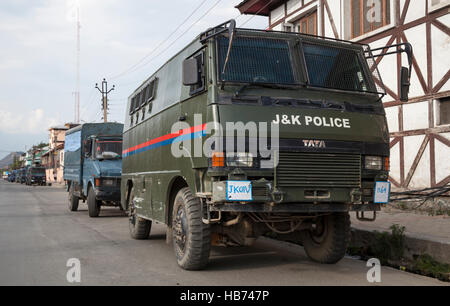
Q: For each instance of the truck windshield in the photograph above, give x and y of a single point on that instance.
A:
(38, 172)
(108, 149)
(271, 61)
(256, 60)
(335, 68)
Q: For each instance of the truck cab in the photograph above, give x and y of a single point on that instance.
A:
(247, 132)
(93, 166)
(36, 176)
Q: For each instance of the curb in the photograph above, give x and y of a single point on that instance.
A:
(414, 246)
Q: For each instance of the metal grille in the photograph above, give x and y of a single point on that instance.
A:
(374, 70)
(319, 170)
(256, 60)
(336, 68)
(260, 191)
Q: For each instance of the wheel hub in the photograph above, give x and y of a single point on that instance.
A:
(319, 231)
(180, 229)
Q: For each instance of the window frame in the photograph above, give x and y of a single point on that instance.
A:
(298, 62)
(384, 21)
(306, 17)
(299, 79)
(288, 27)
(365, 69)
(438, 111)
(143, 96)
(440, 5)
(202, 74)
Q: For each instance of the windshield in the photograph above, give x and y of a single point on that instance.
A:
(38, 171)
(256, 60)
(271, 61)
(108, 149)
(335, 68)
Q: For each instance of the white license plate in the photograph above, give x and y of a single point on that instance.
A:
(382, 190)
(239, 191)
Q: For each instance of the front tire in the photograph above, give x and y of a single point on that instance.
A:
(191, 237)
(93, 204)
(139, 227)
(327, 242)
(74, 201)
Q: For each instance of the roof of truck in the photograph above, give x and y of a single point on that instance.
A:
(80, 127)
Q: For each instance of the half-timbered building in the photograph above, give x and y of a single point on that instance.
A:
(419, 128)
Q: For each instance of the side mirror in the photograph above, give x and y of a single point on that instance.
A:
(190, 72)
(404, 84)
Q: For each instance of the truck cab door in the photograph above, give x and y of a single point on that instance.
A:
(194, 109)
(87, 166)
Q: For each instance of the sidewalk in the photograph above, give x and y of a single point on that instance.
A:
(424, 234)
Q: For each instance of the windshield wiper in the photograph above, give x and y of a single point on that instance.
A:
(333, 105)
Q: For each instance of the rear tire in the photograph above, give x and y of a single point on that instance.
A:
(191, 237)
(328, 241)
(74, 201)
(93, 204)
(139, 228)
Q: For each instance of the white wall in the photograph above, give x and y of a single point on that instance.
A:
(415, 116)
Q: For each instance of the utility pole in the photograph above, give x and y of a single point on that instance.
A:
(77, 90)
(104, 91)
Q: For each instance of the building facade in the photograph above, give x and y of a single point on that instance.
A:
(53, 160)
(419, 128)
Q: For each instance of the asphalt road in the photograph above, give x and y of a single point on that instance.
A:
(38, 235)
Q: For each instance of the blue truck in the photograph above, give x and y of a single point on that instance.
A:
(93, 165)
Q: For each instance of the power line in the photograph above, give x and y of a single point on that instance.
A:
(162, 43)
(91, 96)
(180, 36)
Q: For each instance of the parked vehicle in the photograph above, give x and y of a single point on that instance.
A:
(5, 175)
(330, 156)
(36, 176)
(17, 177)
(93, 165)
(12, 176)
(21, 175)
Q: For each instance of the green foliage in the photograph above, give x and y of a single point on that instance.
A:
(16, 163)
(389, 246)
(428, 266)
(41, 145)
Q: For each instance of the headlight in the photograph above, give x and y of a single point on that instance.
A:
(240, 160)
(108, 182)
(373, 163)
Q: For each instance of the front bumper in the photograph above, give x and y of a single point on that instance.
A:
(109, 195)
(267, 198)
(39, 181)
(294, 208)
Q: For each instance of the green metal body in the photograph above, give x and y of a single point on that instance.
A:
(155, 173)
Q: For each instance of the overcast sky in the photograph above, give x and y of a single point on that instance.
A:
(38, 56)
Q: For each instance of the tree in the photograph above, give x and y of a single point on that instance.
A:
(16, 163)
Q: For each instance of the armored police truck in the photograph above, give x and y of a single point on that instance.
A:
(93, 165)
(246, 132)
